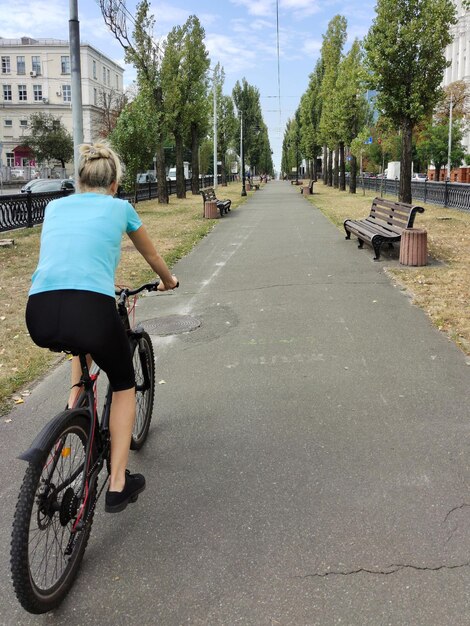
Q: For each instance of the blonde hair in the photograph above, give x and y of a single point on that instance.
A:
(99, 166)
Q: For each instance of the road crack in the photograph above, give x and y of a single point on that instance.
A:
(389, 569)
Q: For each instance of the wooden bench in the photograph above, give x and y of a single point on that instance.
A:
(310, 186)
(386, 222)
(208, 195)
(255, 182)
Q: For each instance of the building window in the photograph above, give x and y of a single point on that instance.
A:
(95, 97)
(10, 159)
(20, 65)
(36, 65)
(94, 70)
(5, 65)
(117, 81)
(104, 75)
(8, 123)
(65, 65)
(7, 93)
(37, 90)
(66, 93)
(22, 93)
(109, 78)
(23, 123)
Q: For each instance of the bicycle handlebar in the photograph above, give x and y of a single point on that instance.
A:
(124, 292)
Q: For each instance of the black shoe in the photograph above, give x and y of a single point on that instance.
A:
(117, 501)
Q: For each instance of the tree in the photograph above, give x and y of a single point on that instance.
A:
(405, 59)
(226, 120)
(197, 63)
(246, 98)
(351, 108)
(331, 53)
(48, 140)
(433, 145)
(310, 114)
(184, 82)
(110, 104)
(145, 55)
(135, 137)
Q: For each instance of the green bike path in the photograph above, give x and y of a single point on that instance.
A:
(308, 458)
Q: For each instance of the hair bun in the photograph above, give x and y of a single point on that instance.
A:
(94, 151)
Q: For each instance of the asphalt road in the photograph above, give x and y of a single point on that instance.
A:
(308, 458)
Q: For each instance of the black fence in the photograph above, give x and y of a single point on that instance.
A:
(27, 209)
(446, 194)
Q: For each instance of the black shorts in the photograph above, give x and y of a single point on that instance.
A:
(83, 322)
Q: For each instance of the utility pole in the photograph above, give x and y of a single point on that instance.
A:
(76, 80)
(215, 130)
(242, 155)
(449, 146)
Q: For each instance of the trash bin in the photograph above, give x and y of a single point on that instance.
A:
(210, 210)
(414, 247)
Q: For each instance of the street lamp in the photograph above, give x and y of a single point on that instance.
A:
(242, 155)
(449, 145)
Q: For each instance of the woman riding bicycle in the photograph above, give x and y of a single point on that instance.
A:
(71, 303)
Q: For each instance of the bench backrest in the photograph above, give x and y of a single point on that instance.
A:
(397, 214)
(208, 195)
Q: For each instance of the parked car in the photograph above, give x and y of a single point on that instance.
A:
(147, 177)
(43, 185)
(421, 177)
(32, 183)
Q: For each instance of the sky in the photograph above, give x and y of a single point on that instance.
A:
(240, 34)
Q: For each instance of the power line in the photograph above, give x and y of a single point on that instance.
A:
(278, 60)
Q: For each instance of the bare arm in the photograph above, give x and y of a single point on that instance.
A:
(144, 245)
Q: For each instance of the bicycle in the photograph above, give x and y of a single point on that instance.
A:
(58, 496)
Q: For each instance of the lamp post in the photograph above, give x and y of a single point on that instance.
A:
(242, 155)
(76, 80)
(449, 144)
(215, 131)
(296, 160)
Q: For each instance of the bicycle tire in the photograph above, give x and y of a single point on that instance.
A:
(144, 367)
(45, 513)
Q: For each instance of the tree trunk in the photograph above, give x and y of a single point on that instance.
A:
(437, 175)
(353, 175)
(314, 169)
(406, 161)
(330, 168)
(336, 170)
(194, 160)
(180, 182)
(342, 167)
(324, 165)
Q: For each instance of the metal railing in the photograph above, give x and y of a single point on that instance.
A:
(25, 210)
(446, 194)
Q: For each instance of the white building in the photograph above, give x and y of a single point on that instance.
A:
(35, 77)
(458, 53)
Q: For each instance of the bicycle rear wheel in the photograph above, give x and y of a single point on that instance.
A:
(144, 368)
(52, 523)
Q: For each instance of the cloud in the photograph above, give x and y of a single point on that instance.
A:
(40, 23)
(234, 55)
(311, 47)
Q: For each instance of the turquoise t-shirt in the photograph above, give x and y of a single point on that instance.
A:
(81, 243)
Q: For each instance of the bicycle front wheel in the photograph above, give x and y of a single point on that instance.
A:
(144, 368)
(53, 517)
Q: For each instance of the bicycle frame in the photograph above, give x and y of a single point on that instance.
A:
(87, 400)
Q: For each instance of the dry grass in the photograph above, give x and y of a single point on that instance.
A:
(442, 288)
(175, 228)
